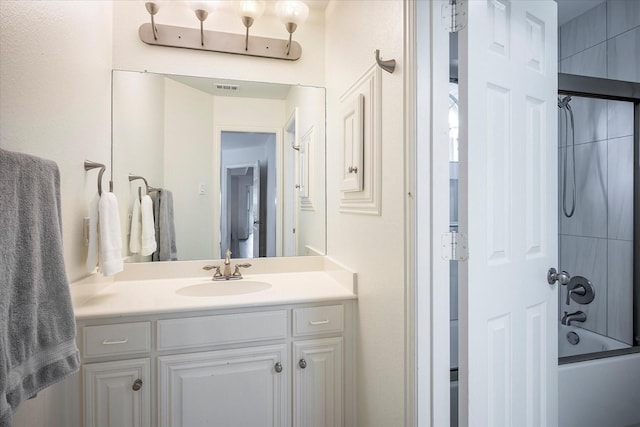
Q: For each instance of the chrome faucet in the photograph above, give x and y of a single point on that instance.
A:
(226, 272)
(577, 316)
(227, 265)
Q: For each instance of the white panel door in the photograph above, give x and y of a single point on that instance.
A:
(246, 387)
(117, 394)
(318, 383)
(508, 316)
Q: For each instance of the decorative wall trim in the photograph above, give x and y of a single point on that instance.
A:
(367, 201)
(307, 169)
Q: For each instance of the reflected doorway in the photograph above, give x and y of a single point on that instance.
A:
(248, 194)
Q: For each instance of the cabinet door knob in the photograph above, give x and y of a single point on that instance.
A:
(137, 385)
(278, 367)
(302, 363)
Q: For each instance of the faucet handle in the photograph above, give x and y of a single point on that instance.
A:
(237, 273)
(211, 267)
(577, 290)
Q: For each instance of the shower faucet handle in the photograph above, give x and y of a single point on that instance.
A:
(553, 276)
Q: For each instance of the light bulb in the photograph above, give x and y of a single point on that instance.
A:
(292, 11)
(208, 6)
(249, 8)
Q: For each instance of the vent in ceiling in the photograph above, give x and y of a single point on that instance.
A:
(227, 87)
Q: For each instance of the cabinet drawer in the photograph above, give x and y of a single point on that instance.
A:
(123, 338)
(222, 329)
(318, 320)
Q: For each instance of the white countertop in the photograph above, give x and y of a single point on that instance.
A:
(154, 296)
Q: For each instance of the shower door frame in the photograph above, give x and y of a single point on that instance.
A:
(615, 90)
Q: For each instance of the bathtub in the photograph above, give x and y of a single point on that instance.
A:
(597, 392)
(591, 393)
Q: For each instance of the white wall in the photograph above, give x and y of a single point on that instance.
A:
(55, 71)
(372, 245)
(311, 113)
(138, 141)
(189, 136)
(132, 54)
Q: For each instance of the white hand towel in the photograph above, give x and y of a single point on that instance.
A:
(110, 235)
(93, 253)
(149, 244)
(136, 228)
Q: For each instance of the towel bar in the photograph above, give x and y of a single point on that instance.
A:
(89, 165)
(146, 185)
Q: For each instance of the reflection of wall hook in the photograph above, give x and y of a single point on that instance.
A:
(389, 65)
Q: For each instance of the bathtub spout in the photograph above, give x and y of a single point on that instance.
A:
(569, 318)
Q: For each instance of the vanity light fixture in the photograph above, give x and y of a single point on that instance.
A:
(202, 10)
(249, 11)
(291, 13)
(153, 8)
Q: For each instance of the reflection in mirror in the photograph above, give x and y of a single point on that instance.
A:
(248, 194)
(235, 156)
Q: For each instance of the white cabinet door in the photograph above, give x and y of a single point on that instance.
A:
(117, 394)
(240, 387)
(318, 383)
(508, 177)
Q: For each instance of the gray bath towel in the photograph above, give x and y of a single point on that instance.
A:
(37, 326)
(165, 228)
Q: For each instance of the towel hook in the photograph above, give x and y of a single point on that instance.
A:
(89, 165)
(389, 65)
(146, 184)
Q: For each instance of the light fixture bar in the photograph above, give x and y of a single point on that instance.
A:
(217, 41)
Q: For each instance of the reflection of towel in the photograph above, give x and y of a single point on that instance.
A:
(149, 244)
(93, 253)
(165, 229)
(110, 237)
(37, 326)
(136, 228)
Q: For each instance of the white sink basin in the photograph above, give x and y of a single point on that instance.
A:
(221, 288)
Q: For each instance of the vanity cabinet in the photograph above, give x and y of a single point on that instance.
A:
(263, 366)
(318, 383)
(117, 394)
(239, 387)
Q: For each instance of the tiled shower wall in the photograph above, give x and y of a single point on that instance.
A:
(603, 42)
(597, 241)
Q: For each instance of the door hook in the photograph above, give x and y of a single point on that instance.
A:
(389, 65)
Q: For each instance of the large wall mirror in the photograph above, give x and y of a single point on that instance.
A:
(227, 164)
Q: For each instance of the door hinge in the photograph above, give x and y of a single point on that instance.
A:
(454, 16)
(454, 246)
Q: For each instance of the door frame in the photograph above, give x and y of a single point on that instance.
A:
(291, 137)
(426, 75)
(215, 187)
(224, 201)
